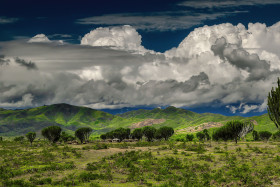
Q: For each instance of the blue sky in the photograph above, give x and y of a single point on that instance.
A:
(84, 55)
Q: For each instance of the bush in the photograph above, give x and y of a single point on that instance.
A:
(189, 137)
(256, 136)
(66, 137)
(265, 135)
(276, 136)
(19, 139)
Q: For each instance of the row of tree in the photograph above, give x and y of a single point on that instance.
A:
(54, 134)
(148, 132)
(234, 130)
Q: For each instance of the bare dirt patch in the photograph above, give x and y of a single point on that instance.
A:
(147, 122)
(201, 127)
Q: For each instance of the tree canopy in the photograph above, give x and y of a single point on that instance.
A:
(273, 102)
(149, 132)
(83, 134)
(52, 133)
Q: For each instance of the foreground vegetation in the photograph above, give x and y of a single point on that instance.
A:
(160, 163)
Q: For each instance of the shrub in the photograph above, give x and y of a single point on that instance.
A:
(66, 137)
(19, 139)
(189, 137)
(265, 135)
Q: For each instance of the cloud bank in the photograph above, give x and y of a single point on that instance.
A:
(219, 65)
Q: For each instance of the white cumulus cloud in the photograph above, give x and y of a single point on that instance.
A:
(39, 38)
(124, 38)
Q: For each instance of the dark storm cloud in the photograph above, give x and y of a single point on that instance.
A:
(200, 4)
(3, 61)
(29, 65)
(240, 58)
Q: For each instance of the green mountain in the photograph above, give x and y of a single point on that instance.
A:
(16, 122)
(69, 117)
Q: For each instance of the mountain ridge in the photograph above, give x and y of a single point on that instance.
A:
(70, 117)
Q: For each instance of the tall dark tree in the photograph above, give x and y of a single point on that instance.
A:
(149, 132)
(206, 133)
(31, 137)
(137, 134)
(121, 133)
(200, 136)
(52, 133)
(273, 103)
(83, 134)
(165, 132)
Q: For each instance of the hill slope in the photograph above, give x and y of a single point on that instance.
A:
(14, 122)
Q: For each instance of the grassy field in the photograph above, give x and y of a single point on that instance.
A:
(140, 164)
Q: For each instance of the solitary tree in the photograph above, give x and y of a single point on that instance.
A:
(149, 132)
(31, 137)
(83, 134)
(52, 133)
(137, 134)
(273, 102)
(1, 138)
